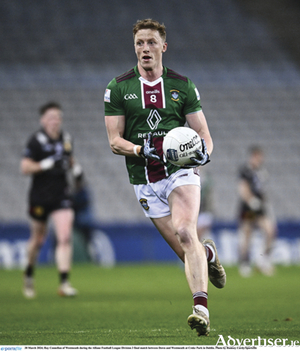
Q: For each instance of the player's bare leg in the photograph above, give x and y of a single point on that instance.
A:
(63, 221)
(269, 229)
(38, 231)
(184, 203)
(245, 234)
(36, 240)
(165, 227)
(180, 231)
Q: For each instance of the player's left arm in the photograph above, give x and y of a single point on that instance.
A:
(197, 121)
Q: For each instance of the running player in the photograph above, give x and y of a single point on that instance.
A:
(255, 210)
(47, 158)
(141, 106)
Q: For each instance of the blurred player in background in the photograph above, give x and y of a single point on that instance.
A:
(47, 158)
(84, 221)
(141, 106)
(255, 212)
(82, 201)
(205, 218)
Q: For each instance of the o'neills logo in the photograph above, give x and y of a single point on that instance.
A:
(187, 146)
(156, 91)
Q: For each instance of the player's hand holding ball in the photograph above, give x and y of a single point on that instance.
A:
(183, 147)
(201, 159)
(148, 150)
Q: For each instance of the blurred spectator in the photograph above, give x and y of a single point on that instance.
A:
(255, 212)
(82, 202)
(92, 243)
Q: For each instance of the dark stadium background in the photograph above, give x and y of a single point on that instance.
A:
(243, 55)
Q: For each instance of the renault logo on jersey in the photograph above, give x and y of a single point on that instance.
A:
(130, 97)
(153, 119)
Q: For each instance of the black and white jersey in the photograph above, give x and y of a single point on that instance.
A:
(256, 179)
(50, 185)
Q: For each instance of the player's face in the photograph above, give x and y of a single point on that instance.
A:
(51, 122)
(149, 47)
(257, 160)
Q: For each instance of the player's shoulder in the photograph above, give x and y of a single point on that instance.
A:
(66, 135)
(34, 142)
(174, 75)
(181, 81)
(126, 76)
(245, 172)
(38, 137)
(121, 79)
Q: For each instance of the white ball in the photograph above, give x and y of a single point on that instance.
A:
(179, 145)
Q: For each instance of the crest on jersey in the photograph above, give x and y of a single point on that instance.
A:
(174, 94)
(67, 146)
(67, 142)
(144, 204)
(38, 211)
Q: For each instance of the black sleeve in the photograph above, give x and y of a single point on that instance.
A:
(244, 174)
(32, 149)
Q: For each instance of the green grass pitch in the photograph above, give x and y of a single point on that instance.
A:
(145, 305)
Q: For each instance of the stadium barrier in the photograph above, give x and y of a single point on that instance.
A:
(125, 243)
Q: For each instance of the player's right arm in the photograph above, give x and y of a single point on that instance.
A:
(28, 166)
(244, 190)
(247, 195)
(115, 126)
(30, 163)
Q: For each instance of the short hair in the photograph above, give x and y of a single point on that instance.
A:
(149, 23)
(48, 106)
(255, 149)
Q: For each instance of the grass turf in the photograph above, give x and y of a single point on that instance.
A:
(145, 305)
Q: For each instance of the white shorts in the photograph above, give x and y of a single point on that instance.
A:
(153, 197)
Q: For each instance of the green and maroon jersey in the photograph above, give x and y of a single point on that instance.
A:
(155, 107)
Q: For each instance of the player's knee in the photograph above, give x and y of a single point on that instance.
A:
(64, 240)
(37, 241)
(185, 236)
